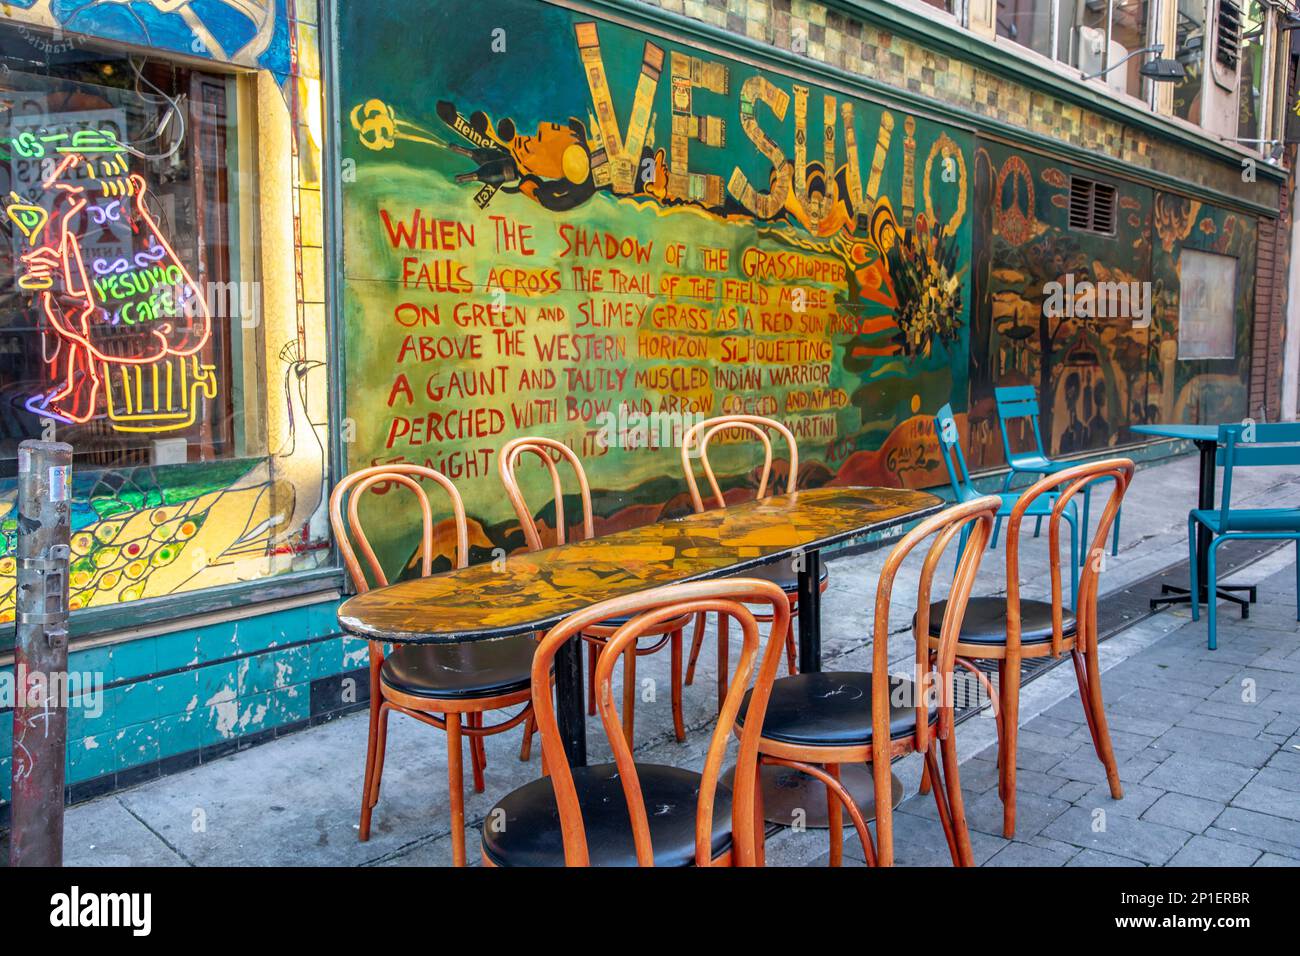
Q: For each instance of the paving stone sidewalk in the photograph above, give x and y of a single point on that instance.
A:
(1208, 745)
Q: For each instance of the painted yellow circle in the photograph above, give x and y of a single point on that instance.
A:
(134, 569)
(82, 542)
(8, 566)
(576, 164)
(916, 403)
(132, 593)
(106, 556)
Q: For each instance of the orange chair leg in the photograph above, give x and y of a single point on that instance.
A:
(456, 784)
(760, 825)
(941, 803)
(1010, 728)
(791, 656)
(1104, 749)
(675, 653)
(526, 748)
(477, 756)
(629, 693)
(883, 781)
(835, 818)
(956, 804)
(723, 649)
(380, 749)
(697, 641)
(372, 745)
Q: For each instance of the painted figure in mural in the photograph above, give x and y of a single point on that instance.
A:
(1074, 437)
(125, 323)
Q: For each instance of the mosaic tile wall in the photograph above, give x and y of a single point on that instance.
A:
(847, 43)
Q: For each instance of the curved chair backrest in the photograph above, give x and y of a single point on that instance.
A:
(1063, 486)
(352, 489)
(934, 680)
(1250, 445)
(548, 450)
(954, 459)
(649, 611)
(1013, 402)
(696, 442)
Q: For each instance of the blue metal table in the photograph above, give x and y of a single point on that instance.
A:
(1206, 439)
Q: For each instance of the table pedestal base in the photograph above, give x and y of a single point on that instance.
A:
(1173, 594)
(787, 792)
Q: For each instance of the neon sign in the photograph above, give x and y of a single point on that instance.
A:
(122, 336)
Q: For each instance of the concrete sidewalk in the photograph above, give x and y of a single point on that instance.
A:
(1209, 776)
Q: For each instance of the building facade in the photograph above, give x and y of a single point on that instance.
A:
(303, 240)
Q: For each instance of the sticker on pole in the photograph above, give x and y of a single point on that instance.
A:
(60, 482)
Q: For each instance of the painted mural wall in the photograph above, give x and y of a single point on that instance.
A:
(1094, 320)
(149, 530)
(573, 228)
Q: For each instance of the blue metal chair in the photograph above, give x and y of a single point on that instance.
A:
(1021, 401)
(1245, 446)
(963, 489)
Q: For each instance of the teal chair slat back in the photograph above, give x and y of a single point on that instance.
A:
(954, 460)
(1015, 402)
(1253, 445)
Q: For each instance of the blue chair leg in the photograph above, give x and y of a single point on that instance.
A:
(1212, 591)
(997, 523)
(961, 542)
(1114, 536)
(1074, 564)
(1087, 507)
(1191, 549)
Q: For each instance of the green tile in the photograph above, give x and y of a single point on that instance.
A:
(177, 693)
(326, 657)
(133, 659)
(178, 649)
(91, 757)
(137, 744)
(178, 734)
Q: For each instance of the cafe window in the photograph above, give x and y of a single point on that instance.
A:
(1251, 57)
(1029, 23)
(1092, 35)
(1189, 50)
(132, 326)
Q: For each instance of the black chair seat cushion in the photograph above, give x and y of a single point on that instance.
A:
(528, 832)
(833, 709)
(985, 621)
(467, 669)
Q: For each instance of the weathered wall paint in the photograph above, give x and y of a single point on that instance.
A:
(655, 227)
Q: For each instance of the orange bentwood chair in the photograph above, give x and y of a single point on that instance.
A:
(1011, 629)
(695, 443)
(815, 722)
(628, 813)
(448, 686)
(670, 634)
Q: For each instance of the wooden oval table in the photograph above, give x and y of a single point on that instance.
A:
(534, 591)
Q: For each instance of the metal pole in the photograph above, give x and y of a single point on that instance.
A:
(41, 654)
